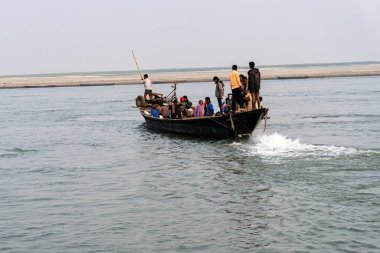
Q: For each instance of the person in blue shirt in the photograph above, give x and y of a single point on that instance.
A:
(154, 111)
(209, 108)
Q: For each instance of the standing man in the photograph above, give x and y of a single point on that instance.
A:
(254, 80)
(148, 87)
(236, 87)
(219, 91)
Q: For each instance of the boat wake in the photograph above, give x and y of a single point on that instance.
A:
(280, 146)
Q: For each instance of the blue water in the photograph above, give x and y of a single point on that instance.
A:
(79, 172)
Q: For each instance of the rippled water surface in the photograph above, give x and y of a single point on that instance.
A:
(79, 172)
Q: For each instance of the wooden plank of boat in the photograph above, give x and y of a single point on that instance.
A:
(212, 127)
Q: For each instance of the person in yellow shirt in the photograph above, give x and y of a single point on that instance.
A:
(236, 88)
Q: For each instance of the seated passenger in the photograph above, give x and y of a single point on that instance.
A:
(165, 112)
(187, 104)
(244, 82)
(189, 112)
(171, 107)
(200, 109)
(248, 101)
(209, 108)
(226, 106)
(159, 108)
(179, 112)
(154, 112)
(176, 110)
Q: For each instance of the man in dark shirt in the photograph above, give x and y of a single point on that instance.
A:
(254, 80)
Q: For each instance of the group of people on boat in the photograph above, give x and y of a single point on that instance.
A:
(182, 109)
(245, 93)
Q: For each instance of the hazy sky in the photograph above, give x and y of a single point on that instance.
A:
(43, 36)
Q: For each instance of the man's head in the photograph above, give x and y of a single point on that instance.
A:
(251, 65)
(216, 79)
(234, 67)
(145, 76)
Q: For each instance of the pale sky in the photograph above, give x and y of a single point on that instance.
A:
(47, 36)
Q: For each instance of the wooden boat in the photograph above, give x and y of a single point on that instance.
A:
(231, 125)
(239, 124)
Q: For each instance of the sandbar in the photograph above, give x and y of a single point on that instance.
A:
(267, 73)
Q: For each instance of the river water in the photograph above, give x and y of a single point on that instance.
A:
(79, 172)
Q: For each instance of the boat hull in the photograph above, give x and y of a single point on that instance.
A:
(244, 123)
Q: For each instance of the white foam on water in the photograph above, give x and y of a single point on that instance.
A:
(278, 145)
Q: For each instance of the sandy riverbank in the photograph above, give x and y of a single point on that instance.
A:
(267, 73)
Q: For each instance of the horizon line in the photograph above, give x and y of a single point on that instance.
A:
(191, 68)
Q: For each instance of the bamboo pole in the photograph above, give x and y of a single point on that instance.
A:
(137, 65)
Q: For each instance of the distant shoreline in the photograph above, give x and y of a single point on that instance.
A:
(189, 75)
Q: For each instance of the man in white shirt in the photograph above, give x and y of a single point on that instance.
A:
(148, 87)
